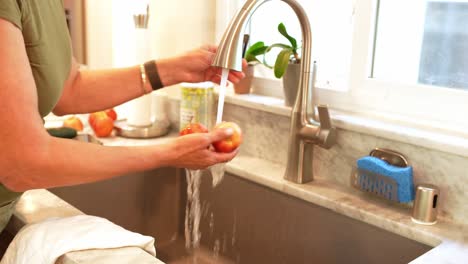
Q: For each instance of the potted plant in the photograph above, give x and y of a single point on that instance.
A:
(259, 48)
(287, 65)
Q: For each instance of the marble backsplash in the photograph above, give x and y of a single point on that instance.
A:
(266, 137)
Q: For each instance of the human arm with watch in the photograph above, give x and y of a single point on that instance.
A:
(32, 159)
(94, 90)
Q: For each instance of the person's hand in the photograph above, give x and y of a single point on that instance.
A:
(193, 151)
(194, 66)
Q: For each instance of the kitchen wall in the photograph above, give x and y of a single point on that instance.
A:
(74, 10)
(175, 26)
(98, 22)
(180, 25)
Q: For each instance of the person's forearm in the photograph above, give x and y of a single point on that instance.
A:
(63, 162)
(94, 90)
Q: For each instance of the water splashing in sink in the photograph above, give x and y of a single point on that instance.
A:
(217, 173)
(192, 209)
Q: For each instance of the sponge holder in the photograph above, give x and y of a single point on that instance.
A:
(390, 156)
(389, 187)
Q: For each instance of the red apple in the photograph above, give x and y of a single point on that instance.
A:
(73, 122)
(231, 143)
(102, 125)
(193, 128)
(92, 117)
(111, 113)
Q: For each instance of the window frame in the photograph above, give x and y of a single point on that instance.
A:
(389, 100)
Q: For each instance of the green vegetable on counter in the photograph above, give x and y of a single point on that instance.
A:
(62, 132)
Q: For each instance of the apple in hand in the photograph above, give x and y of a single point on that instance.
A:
(231, 143)
(73, 122)
(193, 128)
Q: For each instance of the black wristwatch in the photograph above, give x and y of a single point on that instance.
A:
(153, 75)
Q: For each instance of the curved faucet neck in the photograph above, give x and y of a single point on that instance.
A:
(229, 53)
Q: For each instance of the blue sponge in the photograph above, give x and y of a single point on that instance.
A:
(402, 176)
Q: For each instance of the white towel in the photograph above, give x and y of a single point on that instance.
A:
(46, 241)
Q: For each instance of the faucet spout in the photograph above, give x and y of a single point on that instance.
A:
(305, 130)
(229, 53)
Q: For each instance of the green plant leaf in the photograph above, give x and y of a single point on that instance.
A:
(250, 58)
(279, 45)
(282, 62)
(282, 30)
(260, 51)
(256, 49)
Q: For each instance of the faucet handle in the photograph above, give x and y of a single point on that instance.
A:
(324, 117)
(327, 133)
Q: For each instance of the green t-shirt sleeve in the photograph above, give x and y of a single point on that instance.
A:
(10, 11)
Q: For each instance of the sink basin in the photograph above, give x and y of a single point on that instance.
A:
(242, 222)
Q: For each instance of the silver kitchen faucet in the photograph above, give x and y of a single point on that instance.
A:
(305, 130)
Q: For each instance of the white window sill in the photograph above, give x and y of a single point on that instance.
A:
(446, 141)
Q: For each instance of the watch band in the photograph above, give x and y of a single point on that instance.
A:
(153, 75)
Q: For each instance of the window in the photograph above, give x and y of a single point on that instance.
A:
(397, 59)
(429, 39)
(405, 56)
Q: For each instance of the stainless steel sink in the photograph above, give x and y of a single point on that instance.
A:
(242, 222)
